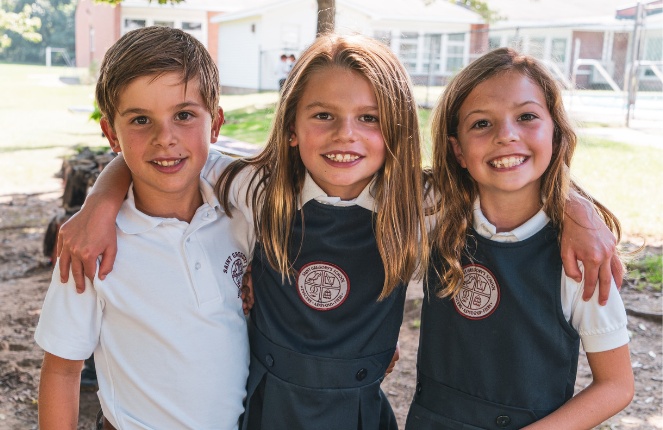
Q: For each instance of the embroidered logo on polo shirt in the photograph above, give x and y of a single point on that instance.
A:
(235, 264)
(322, 286)
(480, 294)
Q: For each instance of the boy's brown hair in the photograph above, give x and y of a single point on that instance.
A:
(155, 51)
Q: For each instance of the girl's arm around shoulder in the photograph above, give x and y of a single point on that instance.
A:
(610, 391)
(215, 165)
(242, 186)
(59, 389)
(585, 237)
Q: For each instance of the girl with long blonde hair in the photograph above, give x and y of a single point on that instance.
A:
(501, 327)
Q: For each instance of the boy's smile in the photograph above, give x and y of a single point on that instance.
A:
(164, 132)
(337, 130)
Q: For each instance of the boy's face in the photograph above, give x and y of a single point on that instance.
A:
(164, 133)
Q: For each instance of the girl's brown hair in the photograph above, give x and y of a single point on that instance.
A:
(455, 188)
(279, 171)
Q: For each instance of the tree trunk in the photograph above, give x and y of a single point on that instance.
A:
(326, 15)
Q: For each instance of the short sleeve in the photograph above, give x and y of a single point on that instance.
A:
(69, 323)
(215, 165)
(601, 328)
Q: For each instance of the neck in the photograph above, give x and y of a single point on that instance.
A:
(509, 212)
(181, 207)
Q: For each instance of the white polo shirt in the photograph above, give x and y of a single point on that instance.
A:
(601, 328)
(166, 325)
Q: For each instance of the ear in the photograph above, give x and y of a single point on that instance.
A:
(458, 152)
(216, 126)
(110, 134)
(292, 140)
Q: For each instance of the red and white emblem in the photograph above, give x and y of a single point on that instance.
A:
(322, 286)
(480, 294)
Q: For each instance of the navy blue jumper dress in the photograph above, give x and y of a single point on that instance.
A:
(501, 354)
(320, 345)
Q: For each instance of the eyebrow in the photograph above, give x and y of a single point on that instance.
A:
(141, 111)
(324, 105)
(526, 102)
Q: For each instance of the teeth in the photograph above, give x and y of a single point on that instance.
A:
(342, 158)
(506, 162)
(167, 163)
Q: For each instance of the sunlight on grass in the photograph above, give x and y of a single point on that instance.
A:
(42, 119)
(628, 179)
(248, 125)
(647, 271)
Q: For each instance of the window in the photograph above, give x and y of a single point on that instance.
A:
(192, 26)
(536, 47)
(408, 50)
(654, 49)
(383, 36)
(170, 24)
(494, 42)
(516, 42)
(558, 51)
(432, 53)
(132, 24)
(455, 52)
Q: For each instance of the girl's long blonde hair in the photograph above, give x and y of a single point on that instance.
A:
(455, 188)
(279, 171)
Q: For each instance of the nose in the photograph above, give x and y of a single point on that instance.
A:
(163, 135)
(506, 132)
(345, 130)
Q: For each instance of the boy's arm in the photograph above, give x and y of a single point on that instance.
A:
(91, 232)
(59, 389)
(610, 392)
(585, 237)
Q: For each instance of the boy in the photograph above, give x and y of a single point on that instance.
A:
(166, 326)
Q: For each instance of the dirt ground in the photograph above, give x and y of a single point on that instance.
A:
(25, 275)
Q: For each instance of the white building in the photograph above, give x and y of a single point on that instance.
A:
(433, 41)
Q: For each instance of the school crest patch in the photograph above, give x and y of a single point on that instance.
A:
(235, 264)
(322, 286)
(480, 294)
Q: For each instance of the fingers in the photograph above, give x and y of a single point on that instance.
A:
(64, 263)
(605, 276)
(78, 272)
(247, 300)
(591, 277)
(394, 359)
(617, 270)
(571, 267)
(107, 260)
